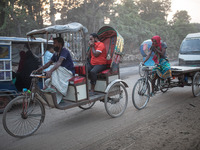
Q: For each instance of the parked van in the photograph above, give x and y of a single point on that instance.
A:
(189, 54)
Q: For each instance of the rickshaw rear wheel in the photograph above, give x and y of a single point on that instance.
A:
(196, 84)
(23, 116)
(163, 84)
(116, 100)
(4, 100)
(87, 106)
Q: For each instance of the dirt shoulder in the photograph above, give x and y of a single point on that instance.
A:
(179, 129)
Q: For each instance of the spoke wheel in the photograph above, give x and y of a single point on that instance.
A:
(22, 117)
(116, 100)
(141, 94)
(196, 84)
(163, 84)
(87, 106)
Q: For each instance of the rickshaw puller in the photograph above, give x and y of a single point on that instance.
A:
(60, 72)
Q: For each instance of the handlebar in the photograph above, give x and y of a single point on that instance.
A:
(145, 68)
(43, 75)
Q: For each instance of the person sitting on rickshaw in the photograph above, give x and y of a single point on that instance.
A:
(97, 61)
(162, 69)
(60, 72)
(47, 55)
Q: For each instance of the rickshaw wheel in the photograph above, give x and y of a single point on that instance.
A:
(4, 100)
(141, 94)
(87, 106)
(22, 117)
(162, 85)
(116, 100)
(196, 84)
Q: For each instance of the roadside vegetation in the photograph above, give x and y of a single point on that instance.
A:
(136, 20)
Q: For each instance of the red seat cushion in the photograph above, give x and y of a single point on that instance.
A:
(77, 80)
(80, 70)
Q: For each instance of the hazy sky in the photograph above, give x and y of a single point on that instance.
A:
(191, 6)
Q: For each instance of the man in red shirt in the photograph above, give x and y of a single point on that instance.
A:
(97, 63)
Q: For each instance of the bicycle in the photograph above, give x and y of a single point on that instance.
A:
(141, 90)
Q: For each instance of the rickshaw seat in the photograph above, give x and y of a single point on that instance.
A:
(77, 80)
(109, 41)
(80, 70)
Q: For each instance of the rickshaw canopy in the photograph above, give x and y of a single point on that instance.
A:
(56, 29)
(73, 35)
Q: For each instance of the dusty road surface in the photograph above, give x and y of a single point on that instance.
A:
(171, 121)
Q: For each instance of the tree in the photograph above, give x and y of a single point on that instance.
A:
(90, 13)
(52, 13)
(180, 25)
(125, 18)
(181, 17)
(149, 10)
(20, 16)
(135, 30)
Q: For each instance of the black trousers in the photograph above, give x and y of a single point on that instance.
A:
(93, 70)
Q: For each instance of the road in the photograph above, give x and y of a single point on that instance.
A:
(92, 129)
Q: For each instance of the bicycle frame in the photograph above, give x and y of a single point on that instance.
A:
(159, 82)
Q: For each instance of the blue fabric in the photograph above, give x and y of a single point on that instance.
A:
(163, 70)
(47, 58)
(67, 62)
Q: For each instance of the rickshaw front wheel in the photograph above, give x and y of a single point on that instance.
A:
(23, 116)
(141, 93)
(116, 100)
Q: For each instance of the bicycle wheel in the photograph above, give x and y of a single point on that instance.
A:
(116, 100)
(22, 117)
(141, 93)
(196, 84)
(87, 106)
(163, 84)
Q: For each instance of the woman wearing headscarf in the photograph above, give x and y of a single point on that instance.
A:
(162, 69)
(23, 79)
(22, 55)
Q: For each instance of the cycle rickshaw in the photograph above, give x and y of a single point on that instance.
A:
(24, 114)
(181, 76)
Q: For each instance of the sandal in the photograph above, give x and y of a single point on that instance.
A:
(49, 90)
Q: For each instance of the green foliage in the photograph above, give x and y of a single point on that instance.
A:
(20, 16)
(149, 10)
(181, 17)
(136, 20)
(90, 13)
(143, 19)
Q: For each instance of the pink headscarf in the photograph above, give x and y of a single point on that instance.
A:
(158, 41)
(156, 57)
